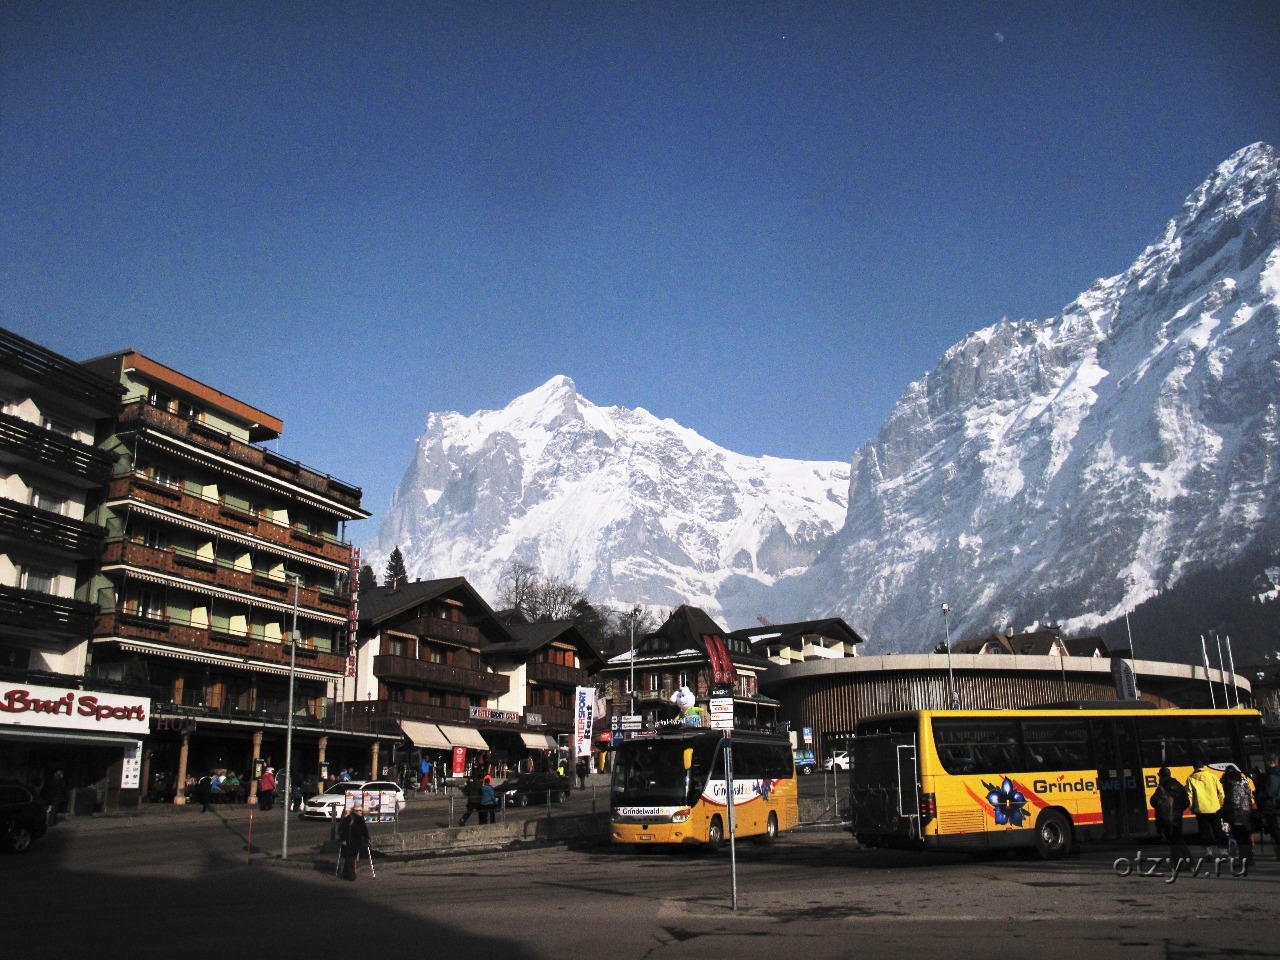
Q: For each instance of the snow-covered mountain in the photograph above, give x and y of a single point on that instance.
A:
(630, 508)
(1072, 467)
(1065, 468)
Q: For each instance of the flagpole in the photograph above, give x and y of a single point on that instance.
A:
(1231, 665)
(1222, 674)
(1204, 653)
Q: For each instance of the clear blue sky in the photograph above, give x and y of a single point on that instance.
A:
(760, 219)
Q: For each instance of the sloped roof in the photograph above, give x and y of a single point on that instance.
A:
(531, 637)
(833, 628)
(383, 604)
(680, 637)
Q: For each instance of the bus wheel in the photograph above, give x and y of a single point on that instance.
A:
(770, 830)
(1053, 835)
(715, 834)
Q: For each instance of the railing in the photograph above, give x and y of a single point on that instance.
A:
(31, 441)
(139, 487)
(559, 717)
(382, 716)
(37, 611)
(139, 413)
(556, 673)
(68, 378)
(386, 666)
(451, 631)
(236, 643)
(33, 525)
(321, 712)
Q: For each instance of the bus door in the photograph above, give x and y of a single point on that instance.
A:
(885, 792)
(1121, 787)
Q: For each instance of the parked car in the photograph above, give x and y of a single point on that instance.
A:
(526, 788)
(24, 816)
(330, 804)
(836, 760)
(806, 762)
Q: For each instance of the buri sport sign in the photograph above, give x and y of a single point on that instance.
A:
(26, 705)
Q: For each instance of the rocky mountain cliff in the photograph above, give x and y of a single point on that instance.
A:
(1073, 467)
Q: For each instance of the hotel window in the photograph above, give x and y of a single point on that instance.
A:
(44, 500)
(39, 579)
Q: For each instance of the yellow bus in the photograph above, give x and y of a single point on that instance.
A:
(672, 788)
(1039, 778)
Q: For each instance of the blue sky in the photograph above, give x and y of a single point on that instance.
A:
(763, 220)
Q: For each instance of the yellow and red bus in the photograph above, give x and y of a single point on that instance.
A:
(672, 788)
(1039, 778)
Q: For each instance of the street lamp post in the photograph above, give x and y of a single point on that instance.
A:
(635, 614)
(951, 677)
(288, 738)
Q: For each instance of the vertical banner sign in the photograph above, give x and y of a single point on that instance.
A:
(584, 716)
(459, 761)
(353, 618)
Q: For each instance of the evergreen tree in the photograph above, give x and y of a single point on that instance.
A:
(396, 573)
(368, 579)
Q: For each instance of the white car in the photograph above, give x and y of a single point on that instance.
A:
(330, 804)
(836, 760)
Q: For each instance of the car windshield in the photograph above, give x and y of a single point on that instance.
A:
(344, 786)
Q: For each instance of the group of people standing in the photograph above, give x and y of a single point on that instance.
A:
(1224, 808)
(481, 799)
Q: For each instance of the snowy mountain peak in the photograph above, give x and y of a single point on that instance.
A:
(631, 508)
(1073, 467)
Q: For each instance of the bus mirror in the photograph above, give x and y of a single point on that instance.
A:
(688, 758)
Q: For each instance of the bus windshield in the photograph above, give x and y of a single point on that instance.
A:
(652, 773)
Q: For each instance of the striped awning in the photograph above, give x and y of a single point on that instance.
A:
(464, 737)
(425, 735)
(538, 741)
(221, 660)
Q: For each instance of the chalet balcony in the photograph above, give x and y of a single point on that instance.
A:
(450, 631)
(142, 489)
(140, 415)
(558, 718)
(68, 378)
(440, 675)
(384, 716)
(42, 613)
(249, 647)
(23, 441)
(205, 570)
(556, 674)
(31, 525)
(321, 712)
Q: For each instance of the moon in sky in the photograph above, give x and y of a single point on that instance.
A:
(999, 38)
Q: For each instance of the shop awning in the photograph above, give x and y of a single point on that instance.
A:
(80, 738)
(425, 735)
(538, 741)
(464, 737)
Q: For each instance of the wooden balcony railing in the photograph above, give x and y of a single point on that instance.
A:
(32, 610)
(160, 629)
(22, 440)
(441, 675)
(31, 525)
(557, 674)
(139, 415)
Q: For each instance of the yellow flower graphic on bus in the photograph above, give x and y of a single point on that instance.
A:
(1007, 803)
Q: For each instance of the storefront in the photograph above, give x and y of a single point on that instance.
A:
(95, 739)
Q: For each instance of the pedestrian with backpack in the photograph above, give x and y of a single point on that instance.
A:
(1170, 802)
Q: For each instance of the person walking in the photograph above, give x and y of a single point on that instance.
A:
(204, 792)
(1169, 802)
(55, 796)
(488, 801)
(1204, 791)
(1237, 810)
(267, 789)
(581, 770)
(471, 789)
(353, 834)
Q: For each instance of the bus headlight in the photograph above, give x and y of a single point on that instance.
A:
(680, 816)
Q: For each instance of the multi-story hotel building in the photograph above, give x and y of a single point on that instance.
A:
(215, 549)
(51, 413)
